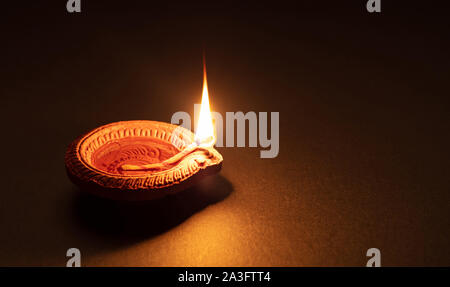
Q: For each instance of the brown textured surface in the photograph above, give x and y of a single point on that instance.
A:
(94, 161)
(364, 143)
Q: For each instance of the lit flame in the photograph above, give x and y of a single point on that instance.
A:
(204, 134)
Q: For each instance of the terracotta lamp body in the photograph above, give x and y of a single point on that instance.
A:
(139, 160)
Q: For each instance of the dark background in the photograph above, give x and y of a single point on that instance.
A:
(363, 102)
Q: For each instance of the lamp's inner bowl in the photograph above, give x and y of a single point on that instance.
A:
(138, 143)
(132, 150)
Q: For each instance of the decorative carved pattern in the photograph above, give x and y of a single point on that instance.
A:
(98, 157)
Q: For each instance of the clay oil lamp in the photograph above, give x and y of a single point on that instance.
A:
(143, 160)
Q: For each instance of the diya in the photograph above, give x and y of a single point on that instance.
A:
(142, 160)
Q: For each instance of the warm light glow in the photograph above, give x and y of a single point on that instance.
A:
(204, 134)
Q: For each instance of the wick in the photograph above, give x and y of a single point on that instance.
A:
(168, 162)
(209, 141)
